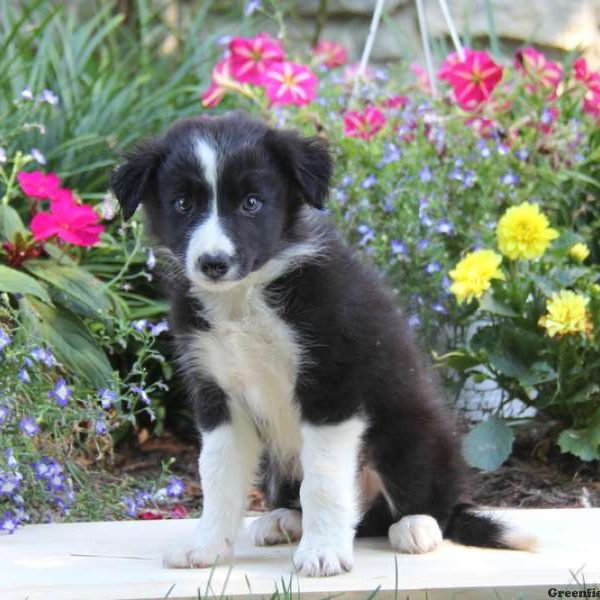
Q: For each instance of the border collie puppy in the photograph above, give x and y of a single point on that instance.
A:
(298, 363)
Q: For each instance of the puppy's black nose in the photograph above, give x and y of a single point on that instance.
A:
(214, 266)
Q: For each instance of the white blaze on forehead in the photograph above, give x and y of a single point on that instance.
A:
(209, 237)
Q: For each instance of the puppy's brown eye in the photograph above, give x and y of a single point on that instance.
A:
(182, 205)
(251, 204)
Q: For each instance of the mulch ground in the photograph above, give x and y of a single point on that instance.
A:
(536, 475)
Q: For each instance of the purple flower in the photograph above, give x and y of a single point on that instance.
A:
(457, 174)
(433, 267)
(100, 427)
(11, 461)
(341, 195)
(425, 175)
(398, 247)
(151, 260)
(130, 506)
(141, 393)
(509, 178)
(61, 393)
(23, 375)
(422, 245)
(251, 7)
(4, 414)
(142, 498)
(444, 226)
(502, 149)
(5, 339)
(8, 523)
(346, 181)
(9, 484)
(56, 482)
(522, 154)
(140, 325)
(391, 154)
(368, 182)
(439, 308)
(484, 150)
(43, 355)
(414, 321)
(43, 468)
(38, 156)
(29, 426)
(368, 235)
(175, 488)
(49, 97)
(27, 94)
(159, 328)
(107, 397)
(470, 179)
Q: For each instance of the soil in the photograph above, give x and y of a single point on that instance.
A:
(536, 474)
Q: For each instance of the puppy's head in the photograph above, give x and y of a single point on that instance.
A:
(223, 194)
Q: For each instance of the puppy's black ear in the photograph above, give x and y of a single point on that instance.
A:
(306, 161)
(130, 181)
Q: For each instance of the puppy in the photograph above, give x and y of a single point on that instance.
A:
(298, 363)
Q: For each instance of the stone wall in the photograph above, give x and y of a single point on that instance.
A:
(553, 25)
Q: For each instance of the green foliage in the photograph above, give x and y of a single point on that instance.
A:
(488, 444)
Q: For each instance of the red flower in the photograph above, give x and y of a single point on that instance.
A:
(39, 185)
(252, 57)
(365, 124)
(179, 512)
(473, 79)
(590, 79)
(76, 224)
(290, 83)
(151, 515)
(547, 73)
(330, 54)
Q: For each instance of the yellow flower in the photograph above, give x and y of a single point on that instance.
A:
(473, 275)
(524, 232)
(567, 313)
(579, 252)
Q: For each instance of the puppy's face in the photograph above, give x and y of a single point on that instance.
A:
(222, 194)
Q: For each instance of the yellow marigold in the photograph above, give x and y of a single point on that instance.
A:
(567, 313)
(579, 252)
(524, 232)
(473, 275)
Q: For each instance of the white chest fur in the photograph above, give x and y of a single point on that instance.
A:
(254, 356)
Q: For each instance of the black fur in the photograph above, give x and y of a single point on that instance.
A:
(361, 358)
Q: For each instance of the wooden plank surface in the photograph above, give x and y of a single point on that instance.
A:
(122, 560)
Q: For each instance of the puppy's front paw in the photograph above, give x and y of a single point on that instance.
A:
(198, 551)
(319, 557)
(279, 526)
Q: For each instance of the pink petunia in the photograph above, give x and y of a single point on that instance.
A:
(216, 91)
(395, 102)
(73, 223)
(473, 79)
(422, 77)
(542, 70)
(591, 103)
(251, 58)
(365, 124)
(591, 79)
(36, 184)
(452, 59)
(330, 54)
(290, 83)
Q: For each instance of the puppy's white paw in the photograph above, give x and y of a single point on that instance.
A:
(279, 526)
(198, 551)
(415, 534)
(320, 557)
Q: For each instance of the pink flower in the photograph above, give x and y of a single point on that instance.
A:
(590, 79)
(473, 79)
(547, 73)
(591, 103)
(452, 59)
(39, 185)
(252, 57)
(290, 83)
(330, 54)
(351, 72)
(395, 102)
(422, 77)
(365, 124)
(76, 224)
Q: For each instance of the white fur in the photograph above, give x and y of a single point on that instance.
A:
(329, 497)
(227, 464)
(415, 534)
(209, 237)
(279, 526)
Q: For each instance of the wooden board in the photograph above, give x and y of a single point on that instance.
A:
(122, 560)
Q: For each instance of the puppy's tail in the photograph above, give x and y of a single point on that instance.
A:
(469, 527)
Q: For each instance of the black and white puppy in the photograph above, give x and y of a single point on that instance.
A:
(299, 364)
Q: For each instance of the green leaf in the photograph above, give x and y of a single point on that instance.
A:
(17, 282)
(10, 223)
(490, 304)
(488, 444)
(583, 443)
(78, 290)
(71, 341)
(460, 361)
